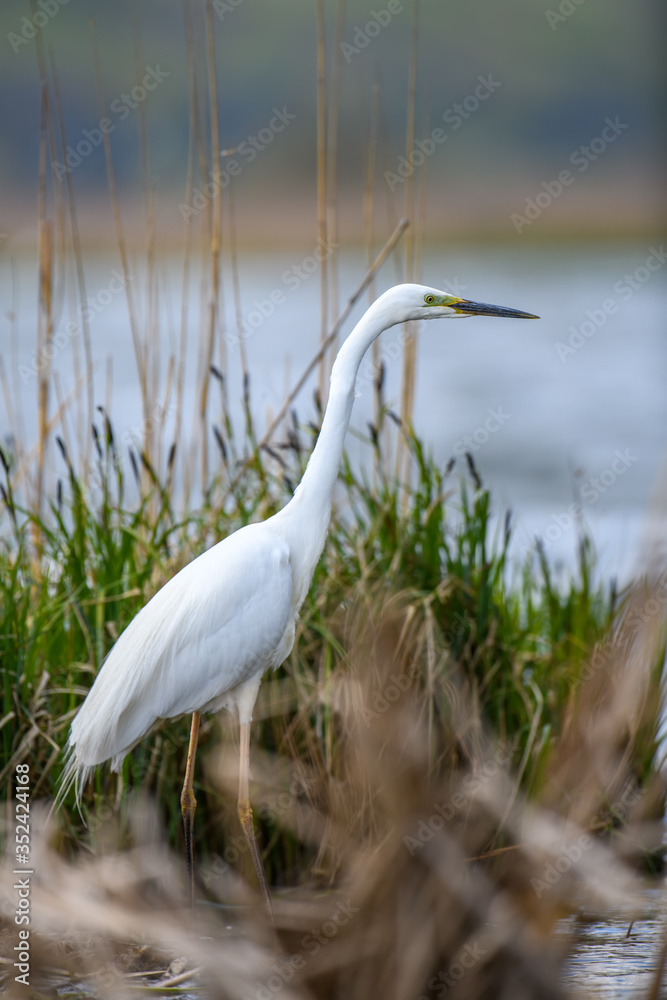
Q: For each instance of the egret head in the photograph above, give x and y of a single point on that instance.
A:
(413, 302)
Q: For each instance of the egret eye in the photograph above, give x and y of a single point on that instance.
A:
(429, 299)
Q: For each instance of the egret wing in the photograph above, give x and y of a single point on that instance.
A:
(224, 618)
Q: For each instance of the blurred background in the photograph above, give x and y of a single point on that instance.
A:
(191, 194)
(523, 147)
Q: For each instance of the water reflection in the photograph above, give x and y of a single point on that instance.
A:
(609, 963)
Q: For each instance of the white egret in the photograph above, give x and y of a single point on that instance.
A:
(206, 638)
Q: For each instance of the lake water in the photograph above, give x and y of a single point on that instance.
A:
(612, 964)
(548, 426)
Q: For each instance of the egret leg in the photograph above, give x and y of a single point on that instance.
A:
(188, 806)
(245, 816)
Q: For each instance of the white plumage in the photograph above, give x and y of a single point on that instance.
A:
(181, 653)
(205, 639)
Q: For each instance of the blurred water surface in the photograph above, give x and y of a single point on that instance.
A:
(616, 959)
(548, 425)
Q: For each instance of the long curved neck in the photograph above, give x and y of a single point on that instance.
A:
(308, 513)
